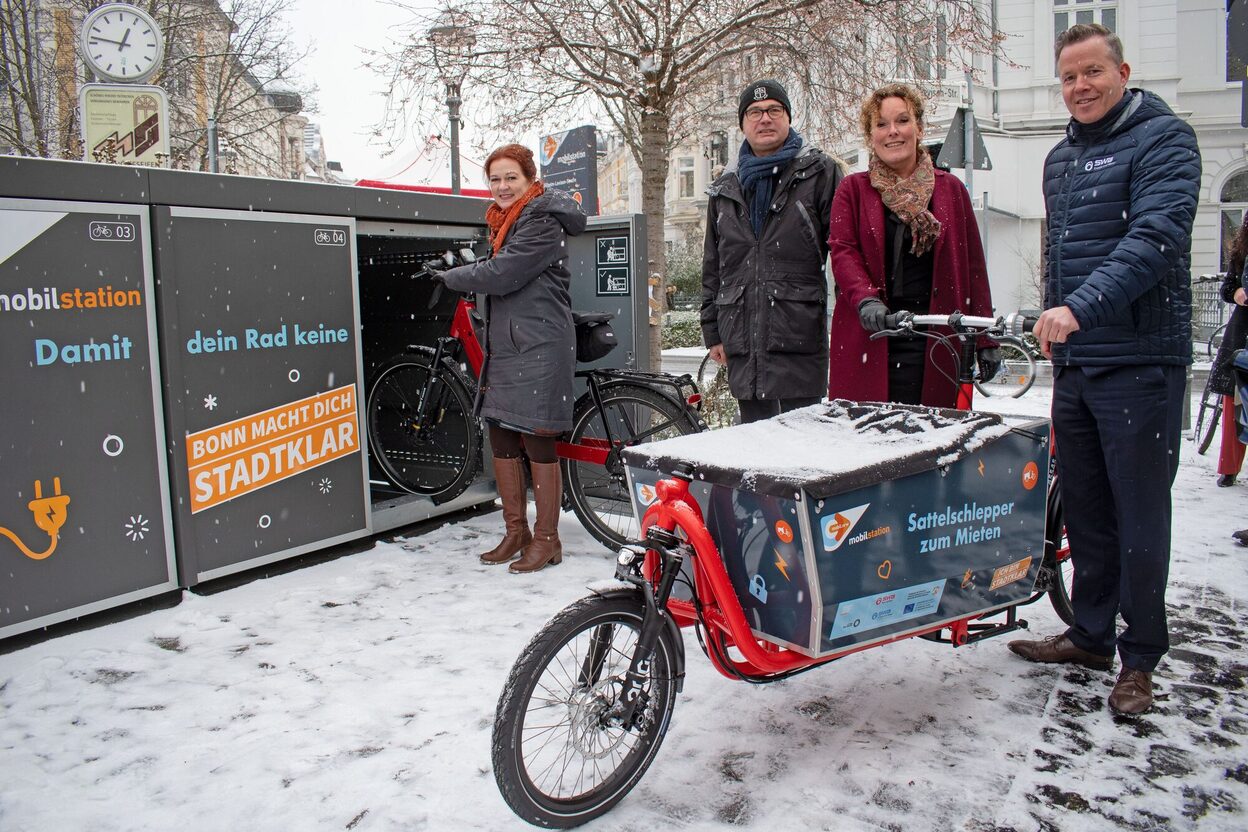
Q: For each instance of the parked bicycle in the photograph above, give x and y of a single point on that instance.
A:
(1016, 373)
(424, 437)
(588, 702)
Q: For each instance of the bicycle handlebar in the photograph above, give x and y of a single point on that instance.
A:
(1014, 324)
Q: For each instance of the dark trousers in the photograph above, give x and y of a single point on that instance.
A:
(755, 410)
(1117, 431)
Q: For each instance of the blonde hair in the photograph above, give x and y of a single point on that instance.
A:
(872, 103)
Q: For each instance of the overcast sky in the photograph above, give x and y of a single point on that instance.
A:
(350, 100)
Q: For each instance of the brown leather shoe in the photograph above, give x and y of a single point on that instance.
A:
(509, 474)
(1059, 650)
(1133, 692)
(548, 494)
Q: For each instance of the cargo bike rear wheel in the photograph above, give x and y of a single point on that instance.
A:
(561, 756)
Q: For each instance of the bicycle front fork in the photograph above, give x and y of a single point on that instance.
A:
(427, 413)
(671, 551)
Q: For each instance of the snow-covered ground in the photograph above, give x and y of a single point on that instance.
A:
(359, 694)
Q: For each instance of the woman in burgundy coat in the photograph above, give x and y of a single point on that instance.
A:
(902, 236)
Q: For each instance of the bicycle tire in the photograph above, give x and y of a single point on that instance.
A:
(1214, 342)
(1057, 555)
(1207, 419)
(1015, 375)
(595, 637)
(719, 408)
(1205, 439)
(443, 463)
(598, 495)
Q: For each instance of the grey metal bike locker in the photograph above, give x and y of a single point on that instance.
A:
(85, 519)
(608, 266)
(257, 287)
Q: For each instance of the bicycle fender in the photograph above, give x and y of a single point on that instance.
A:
(619, 589)
(661, 389)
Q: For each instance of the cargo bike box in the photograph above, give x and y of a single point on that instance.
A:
(846, 524)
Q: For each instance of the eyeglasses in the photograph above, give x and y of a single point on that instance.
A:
(755, 113)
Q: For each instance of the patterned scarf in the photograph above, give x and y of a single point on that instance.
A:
(758, 176)
(500, 221)
(908, 199)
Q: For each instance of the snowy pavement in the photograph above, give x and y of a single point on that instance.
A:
(359, 694)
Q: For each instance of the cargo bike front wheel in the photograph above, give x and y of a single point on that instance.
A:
(561, 754)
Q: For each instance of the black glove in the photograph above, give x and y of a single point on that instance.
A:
(871, 314)
(989, 362)
(436, 266)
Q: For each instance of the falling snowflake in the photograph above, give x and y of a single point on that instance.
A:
(325, 485)
(210, 402)
(137, 529)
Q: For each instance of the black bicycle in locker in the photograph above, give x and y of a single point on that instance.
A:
(424, 437)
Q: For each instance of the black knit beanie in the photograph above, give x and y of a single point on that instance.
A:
(760, 91)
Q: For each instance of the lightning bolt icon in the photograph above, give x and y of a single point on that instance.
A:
(981, 467)
(781, 565)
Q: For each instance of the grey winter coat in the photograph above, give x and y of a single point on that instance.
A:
(765, 298)
(530, 348)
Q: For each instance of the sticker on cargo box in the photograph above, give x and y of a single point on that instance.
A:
(882, 609)
(1010, 573)
(645, 493)
(836, 528)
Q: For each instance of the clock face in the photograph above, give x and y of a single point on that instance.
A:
(121, 43)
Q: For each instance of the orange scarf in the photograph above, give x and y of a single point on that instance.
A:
(500, 221)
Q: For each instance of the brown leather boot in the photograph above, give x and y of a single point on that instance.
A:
(509, 474)
(548, 494)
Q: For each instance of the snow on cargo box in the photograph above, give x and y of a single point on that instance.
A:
(843, 524)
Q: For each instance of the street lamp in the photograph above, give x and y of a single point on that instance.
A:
(452, 45)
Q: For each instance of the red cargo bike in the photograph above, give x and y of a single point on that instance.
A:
(786, 545)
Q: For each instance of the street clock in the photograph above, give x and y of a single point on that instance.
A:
(121, 43)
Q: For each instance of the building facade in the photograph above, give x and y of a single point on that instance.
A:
(1176, 49)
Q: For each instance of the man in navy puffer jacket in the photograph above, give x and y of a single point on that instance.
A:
(1120, 192)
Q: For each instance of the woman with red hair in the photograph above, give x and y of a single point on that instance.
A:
(525, 393)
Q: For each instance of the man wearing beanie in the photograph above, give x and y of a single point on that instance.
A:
(764, 287)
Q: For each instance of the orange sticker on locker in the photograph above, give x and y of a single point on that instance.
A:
(247, 454)
(784, 531)
(1010, 573)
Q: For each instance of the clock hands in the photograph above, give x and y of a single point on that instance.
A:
(120, 44)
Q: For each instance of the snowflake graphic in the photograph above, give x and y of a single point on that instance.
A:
(210, 402)
(137, 528)
(325, 485)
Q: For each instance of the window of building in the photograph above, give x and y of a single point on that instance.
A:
(296, 163)
(684, 177)
(1067, 13)
(928, 51)
(1235, 66)
(1234, 201)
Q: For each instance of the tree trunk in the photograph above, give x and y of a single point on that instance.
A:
(653, 163)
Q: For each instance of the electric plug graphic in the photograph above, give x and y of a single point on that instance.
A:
(50, 514)
(49, 511)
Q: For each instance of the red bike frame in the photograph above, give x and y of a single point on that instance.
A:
(463, 331)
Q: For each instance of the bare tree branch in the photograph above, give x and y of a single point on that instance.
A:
(660, 71)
